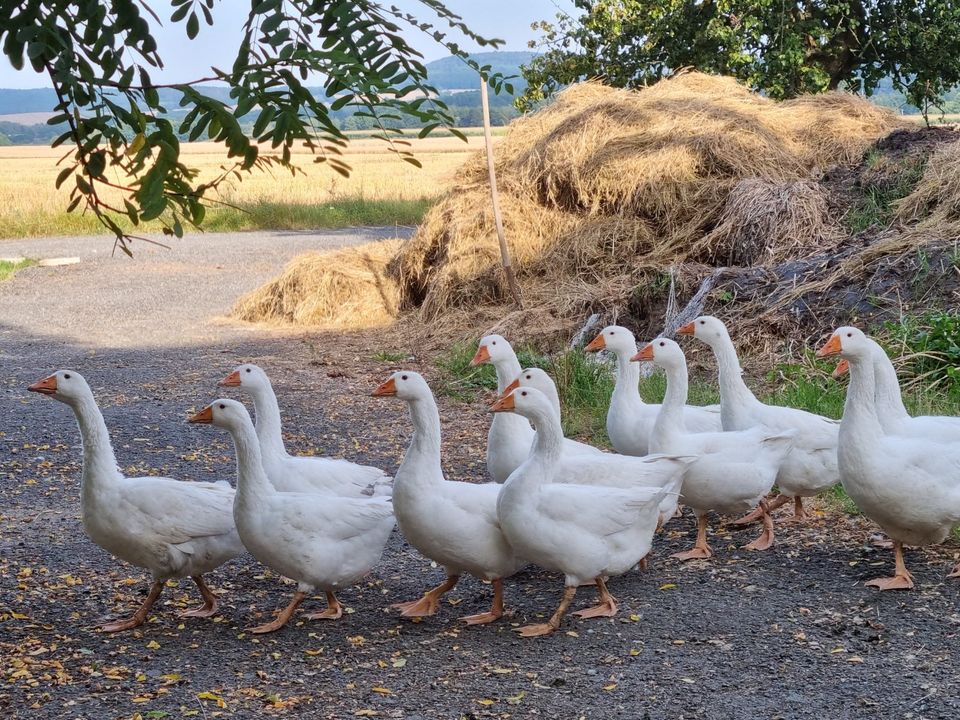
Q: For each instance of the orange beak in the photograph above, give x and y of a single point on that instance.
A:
(231, 380)
(482, 356)
(504, 404)
(687, 329)
(843, 367)
(831, 347)
(47, 386)
(386, 389)
(597, 344)
(645, 354)
(205, 416)
(510, 388)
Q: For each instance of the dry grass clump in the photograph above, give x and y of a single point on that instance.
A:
(605, 183)
(936, 198)
(339, 289)
(767, 222)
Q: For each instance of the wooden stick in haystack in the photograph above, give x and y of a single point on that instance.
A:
(504, 250)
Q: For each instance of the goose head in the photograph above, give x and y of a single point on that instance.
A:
(67, 386)
(616, 339)
(492, 349)
(663, 352)
(404, 384)
(224, 413)
(532, 377)
(707, 328)
(247, 377)
(526, 401)
(842, 368)
(848, 342)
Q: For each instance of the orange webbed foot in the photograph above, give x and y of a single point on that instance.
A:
(121, 625)
(695, 553)
(204, 611)
(537, 630)
(896, 582)
(481, 618)
(604, 609)
(424, 607)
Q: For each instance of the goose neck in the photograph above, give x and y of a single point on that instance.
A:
(548, 442)
(669, 420)
(627, 385)
(268, 428)
(99, 462)
(252, 481)
(860, 421)
(508, 369)
(888, 397)
(733, 390)
(424, 449)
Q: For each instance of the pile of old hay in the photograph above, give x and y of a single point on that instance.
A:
(604, 186)
(346, 288)
(607, 183)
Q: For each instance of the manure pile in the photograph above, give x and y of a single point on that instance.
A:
(603, 190)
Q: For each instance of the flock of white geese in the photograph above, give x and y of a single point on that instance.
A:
(555, 503)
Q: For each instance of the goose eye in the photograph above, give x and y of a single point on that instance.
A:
(524, 394)
(403, 377)
(662, 344)
(529, 377)
(248, 369)
(612, 333)
(849, 334)
(494, 342)
(66, 376)
(703, 322)
(222, 406)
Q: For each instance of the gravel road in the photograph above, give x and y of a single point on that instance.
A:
(791, 633)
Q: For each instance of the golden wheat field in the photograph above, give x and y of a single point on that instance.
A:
(381, 188)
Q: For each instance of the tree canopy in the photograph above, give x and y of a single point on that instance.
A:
(102, 59)
(781, 47)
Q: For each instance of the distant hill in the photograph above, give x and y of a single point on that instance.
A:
(451, 73)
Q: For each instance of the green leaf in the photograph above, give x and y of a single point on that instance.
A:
(193, 26)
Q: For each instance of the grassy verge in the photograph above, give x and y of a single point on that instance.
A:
(8, 268)
(339, 213)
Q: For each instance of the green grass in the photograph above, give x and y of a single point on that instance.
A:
(8, 268)
(875, 205)
(390, 356)
(340, 213)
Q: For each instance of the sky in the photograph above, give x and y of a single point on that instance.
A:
(185, 60)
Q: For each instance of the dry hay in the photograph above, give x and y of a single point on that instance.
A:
(339, 289)
(936, 198)
(605, 182)
(602, 186)
(766, 222)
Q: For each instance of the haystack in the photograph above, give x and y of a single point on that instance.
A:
(340, 289)
(680, 164)
(599, 190)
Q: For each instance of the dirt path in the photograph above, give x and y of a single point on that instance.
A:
(790, 633)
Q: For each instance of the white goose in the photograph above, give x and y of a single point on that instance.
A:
(630, 420)
(735, 470)
(908, 486)
(586, 532)
(589, 470)
(172, 528)
(891, 413)
(510, 436)
(322, 541)
(300, 474)
(811, 467)
(452, 523)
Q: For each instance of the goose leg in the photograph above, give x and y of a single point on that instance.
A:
(901, 580)
(333, 612)
(140, 616)
(799, 513)
(283, 617)
(210, 603)
(607, 607)
(429, 603)
(765, 541)
(554, 622)
(757, 513)
(700, 549)
(496, 609)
